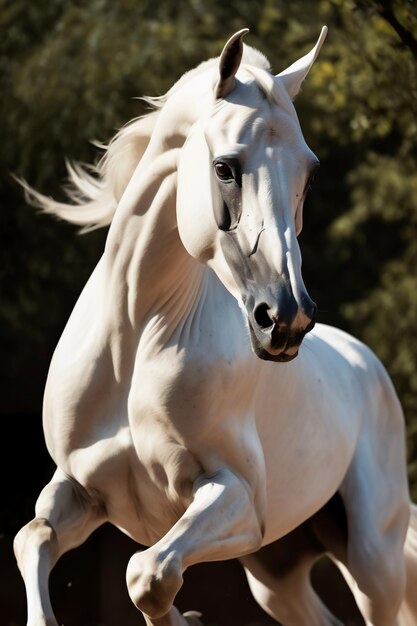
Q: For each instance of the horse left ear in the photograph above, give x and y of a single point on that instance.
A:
(294, 75)
(229, 63)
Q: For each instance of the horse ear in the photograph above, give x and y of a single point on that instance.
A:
(229, 63)
(294, 75)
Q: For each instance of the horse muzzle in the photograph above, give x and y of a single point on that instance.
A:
(278, 329)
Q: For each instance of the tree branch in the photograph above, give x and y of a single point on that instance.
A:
(385, 9)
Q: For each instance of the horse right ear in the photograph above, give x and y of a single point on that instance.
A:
(229, 63)
(294, 75)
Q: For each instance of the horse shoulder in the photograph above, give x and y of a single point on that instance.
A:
(377, 393)
(311, 414)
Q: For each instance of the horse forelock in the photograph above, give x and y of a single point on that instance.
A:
(252, 56)
(270, 88)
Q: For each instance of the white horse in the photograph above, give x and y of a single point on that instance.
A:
(175, 407)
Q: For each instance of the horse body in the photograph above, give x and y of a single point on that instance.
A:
(97, 428)
(160, 417)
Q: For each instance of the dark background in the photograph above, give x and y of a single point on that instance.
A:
(70, 71)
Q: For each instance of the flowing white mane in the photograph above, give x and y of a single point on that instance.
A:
(94, 191)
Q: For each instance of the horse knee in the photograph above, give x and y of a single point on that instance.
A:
(39, 536)
(153, 581)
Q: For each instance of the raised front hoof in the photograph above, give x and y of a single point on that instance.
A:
(192, 618)
(153, 581)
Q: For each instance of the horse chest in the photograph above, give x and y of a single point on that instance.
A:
(191, 389)
(190, 414)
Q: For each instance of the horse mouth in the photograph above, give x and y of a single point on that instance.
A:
(288, 353)
(283, 357)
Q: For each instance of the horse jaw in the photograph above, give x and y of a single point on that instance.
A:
(293, 76)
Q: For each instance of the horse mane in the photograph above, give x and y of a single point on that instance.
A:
(94, 191)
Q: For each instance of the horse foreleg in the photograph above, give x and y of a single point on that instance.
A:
(220, 523)
(64, 518)
(375, 496)
(279, 578)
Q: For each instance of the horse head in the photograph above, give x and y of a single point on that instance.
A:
(242, 179)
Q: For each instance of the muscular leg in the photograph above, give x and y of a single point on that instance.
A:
(369, 548)
(279, 574)
(220, 523)
(376, 499)
(64, 518)
(364, 530)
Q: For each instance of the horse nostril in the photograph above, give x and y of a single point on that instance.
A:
(262, 316)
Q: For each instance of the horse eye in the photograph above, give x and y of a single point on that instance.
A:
(223, 171)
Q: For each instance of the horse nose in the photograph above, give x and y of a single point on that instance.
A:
(269, 317)
(279, 322)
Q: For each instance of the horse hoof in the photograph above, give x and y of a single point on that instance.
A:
(192, 618)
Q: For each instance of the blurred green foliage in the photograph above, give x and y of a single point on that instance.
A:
(70, 71)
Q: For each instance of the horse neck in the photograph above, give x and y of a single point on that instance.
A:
(149, 271)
